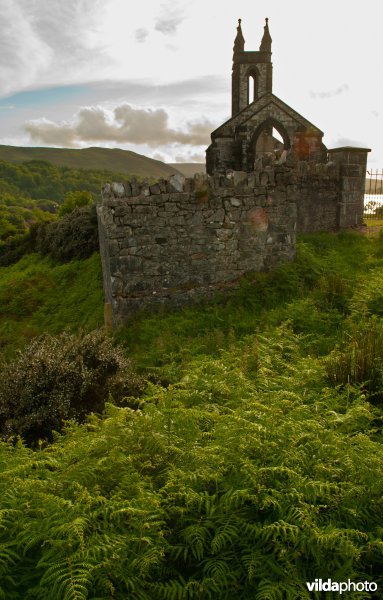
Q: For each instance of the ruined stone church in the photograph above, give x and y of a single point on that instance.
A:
(269, 177)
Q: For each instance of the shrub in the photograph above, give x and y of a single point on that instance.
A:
(14, 248)
(75, 236)
(59, 378)
(75, 200)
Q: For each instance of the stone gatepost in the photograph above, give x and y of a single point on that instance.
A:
(353, 164)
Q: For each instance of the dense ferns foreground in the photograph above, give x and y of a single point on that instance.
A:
(247, 478)
(255, 466)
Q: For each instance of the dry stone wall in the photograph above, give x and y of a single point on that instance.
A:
(174, 241)
(180, 240)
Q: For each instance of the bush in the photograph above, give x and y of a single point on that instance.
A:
(14, 248)
(59, 378)
(75, 236)
(75, 200)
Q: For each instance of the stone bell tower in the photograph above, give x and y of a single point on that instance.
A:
(252, 71)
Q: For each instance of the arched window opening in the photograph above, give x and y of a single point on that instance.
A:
(252, 87)
(270, 141)
(277, 136)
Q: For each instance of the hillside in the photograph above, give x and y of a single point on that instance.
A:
(105, 159)
(189, 169)
(373, 186)
(250, 464)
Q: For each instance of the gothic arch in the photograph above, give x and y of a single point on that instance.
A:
(269, 124)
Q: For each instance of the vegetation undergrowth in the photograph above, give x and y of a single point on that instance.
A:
(247, 478)
(38, 295)
(313, 293)
(252, 462)
(33, 191)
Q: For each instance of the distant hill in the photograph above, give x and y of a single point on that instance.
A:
(188, 169)
(373, 186)
(106, 159)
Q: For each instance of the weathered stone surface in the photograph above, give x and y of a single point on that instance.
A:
(177, 182)
(258, 219)
(127, 188)
(239, 178)
(175, 242)
(177, 245)
(155, 189)
(118, 189)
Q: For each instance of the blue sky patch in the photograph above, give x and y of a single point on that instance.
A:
(42, 96)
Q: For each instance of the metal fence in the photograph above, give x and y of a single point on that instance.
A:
(373, 195)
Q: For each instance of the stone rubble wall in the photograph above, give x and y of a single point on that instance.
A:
(182, 239)
(174, 241)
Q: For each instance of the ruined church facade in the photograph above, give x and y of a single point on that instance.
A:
(246, 143)
(256, 111)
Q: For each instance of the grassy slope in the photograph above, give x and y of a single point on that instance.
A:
(313, 293)
(110, 159)
(39, 296)
(189, 169)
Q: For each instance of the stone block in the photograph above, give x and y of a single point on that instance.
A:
(258, 219)
(130, 264)
(239, 178)
(172, 245)
(176, 182)
(118, 189)
(127, 189)
(352, 171)
(106, 191)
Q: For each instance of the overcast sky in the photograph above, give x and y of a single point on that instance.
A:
(155, 77)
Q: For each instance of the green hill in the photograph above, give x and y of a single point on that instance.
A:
(106, 159)
(189, 169)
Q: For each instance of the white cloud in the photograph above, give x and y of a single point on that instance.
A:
(141, 35)
(123, 124)
(190, 157)
(20, 62)
(47, 41)
(169, 18)
(330, 94)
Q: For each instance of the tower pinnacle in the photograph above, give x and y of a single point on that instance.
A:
(266, 40)
(239, 42)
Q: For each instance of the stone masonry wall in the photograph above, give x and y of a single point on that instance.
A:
(175, 241)
(182, 239)
(317, 195)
